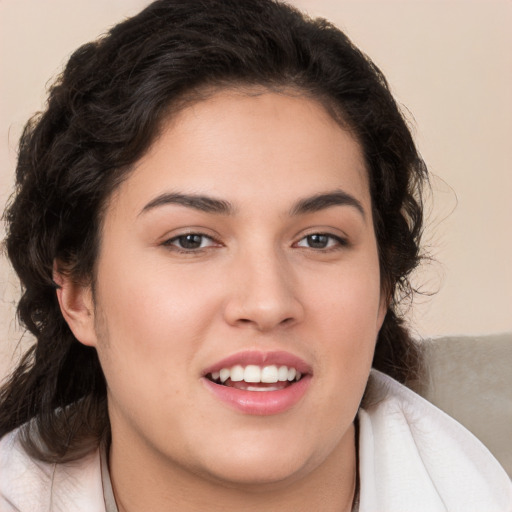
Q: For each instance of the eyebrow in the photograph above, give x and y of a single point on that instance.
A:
(197, 202)
(322, 201)
(208, 204)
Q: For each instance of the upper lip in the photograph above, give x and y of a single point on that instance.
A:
(259, 358)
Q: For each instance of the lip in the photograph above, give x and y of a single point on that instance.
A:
(259, 358)
(260, 403)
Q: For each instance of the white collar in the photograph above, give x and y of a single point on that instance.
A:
(412, 456)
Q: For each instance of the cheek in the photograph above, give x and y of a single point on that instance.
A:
(343, 329)
(349, 299)
(140, 294)
(346, 310)
(148, 339)
(150, 321)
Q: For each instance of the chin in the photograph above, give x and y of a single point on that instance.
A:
(259, 473)
(263, 463)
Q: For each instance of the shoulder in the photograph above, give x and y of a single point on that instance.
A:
(29, 485)
(415, 457)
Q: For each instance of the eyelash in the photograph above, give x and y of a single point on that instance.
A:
(334, 242)
(339, 242)
(171, 243)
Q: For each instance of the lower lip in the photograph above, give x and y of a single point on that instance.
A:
(260, 403)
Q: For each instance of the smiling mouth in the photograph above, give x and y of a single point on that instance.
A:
(256, 378)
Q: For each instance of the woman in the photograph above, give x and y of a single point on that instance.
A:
(214, 221)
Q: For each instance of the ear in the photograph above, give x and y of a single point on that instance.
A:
(77, 306)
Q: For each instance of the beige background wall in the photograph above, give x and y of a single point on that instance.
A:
(449, 62)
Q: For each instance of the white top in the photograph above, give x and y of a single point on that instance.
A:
(412, 457)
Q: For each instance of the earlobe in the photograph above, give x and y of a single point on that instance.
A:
(76, 305)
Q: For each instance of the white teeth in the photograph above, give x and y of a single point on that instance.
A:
(256, 388)
(255, 374)
(237, 373)
(269, 374)
(252, 373)
(282, 373)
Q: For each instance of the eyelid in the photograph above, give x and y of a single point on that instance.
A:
(341, 241)
(168, 242)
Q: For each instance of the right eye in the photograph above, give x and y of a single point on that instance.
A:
(322, 241)
(190, 242)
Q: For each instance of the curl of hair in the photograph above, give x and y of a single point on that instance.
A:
(102, 115)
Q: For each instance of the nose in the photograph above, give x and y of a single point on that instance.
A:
(263, 293)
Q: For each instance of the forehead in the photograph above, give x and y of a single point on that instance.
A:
(247, 145)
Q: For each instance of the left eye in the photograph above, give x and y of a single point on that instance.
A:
(320, 241)
(190, 241)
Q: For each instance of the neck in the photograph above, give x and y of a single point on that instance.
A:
(153, 484)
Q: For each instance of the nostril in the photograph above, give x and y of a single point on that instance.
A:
(247, 321)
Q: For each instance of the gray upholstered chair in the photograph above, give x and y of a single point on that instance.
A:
(471, 379)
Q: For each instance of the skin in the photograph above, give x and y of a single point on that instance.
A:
(160, 316)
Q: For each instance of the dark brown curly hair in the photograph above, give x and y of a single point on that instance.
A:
(103, 113)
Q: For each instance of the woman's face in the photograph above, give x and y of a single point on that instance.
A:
(241, 247)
